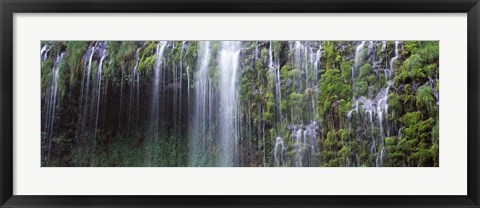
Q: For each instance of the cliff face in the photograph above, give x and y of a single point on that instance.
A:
(240, 103)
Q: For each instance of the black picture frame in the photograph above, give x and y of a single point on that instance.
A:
(9, 7)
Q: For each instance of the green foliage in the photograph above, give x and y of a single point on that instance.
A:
(425, 100)
(122, 56)
(430, 51)
(330, 54)
(75, 51)
(148, 56)
(410, 47)
(365, 70)
(285, 71)
(346, 68)
(412, 69)
(268, 106)
(294, 73)
(46, 76)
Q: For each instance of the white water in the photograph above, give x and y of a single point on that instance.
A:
(44, 52)
(179, 86)
(51, 102)
(134, 92)
(374, 110)
(275, 71)
(305, 145)
(358, 55)
(278, 152)
(229, 63)
(98, 90)
(392, 61)
(86, 91)
(156, 86)
(154, 128)
(202, 119)
(304, 136)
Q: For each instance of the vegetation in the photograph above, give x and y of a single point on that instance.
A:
(298, 103)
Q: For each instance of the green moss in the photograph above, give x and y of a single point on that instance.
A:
(294, 73)
(147, 57)
(425, 100)
(365, 70)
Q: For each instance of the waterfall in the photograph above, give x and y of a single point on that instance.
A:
(154, 126)
(382, 112)
(303, 130)
(275, 71)
(134, 91)
(371, 51)
(358, 56)
(392, 61)
(201, 121)
(278, 152)
(44, 52)
(316, 64)
(121, 101)
(305, 145)
(97, 92)
(157, 78)
(229, 63)
(51, 102)
(375, 106)
(316, 68)
(384, 50)
(85, 91)
(238, 103)
(180, 91)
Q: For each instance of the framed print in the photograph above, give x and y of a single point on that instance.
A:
(248, 104)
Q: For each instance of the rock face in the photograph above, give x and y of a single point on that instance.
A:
(240, 103)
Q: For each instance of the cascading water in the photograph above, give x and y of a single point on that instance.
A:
(51, 103)
(384, 51)
(316, 64)
(202, 119)
(279, 152)
(358, 55)
(179, 87)
(97, 91)
(382, 108)
(85, 91)
(44, 52)
(232, 103)
(134, 92)
(153, 134)
(91, 95)
(392, 61)
(304, 136)
(316, 68)
(305, 145)
(275, 72)
(375, 106)
(229, 64)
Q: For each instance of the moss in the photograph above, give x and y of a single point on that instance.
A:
(147, 57)
(431, 70)
(365, 70)
(429, 51)
(46, 70)
(295, 73)
(296, 96)
(410, 47)
(284, 71)
(425, 100)
(325, 98)
(362, 87)
(394, 103)
(346, 68)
